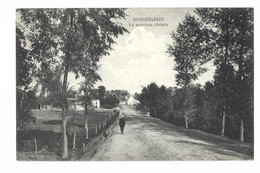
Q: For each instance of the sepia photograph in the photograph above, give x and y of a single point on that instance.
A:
(134, 84)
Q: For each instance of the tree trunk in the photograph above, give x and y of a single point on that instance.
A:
(21, 103)
(186, 122)
(242, 130)
(223, 123)
(64, 122)
(74, 138)
(224, 88)
(65, 153)
(186, 106)
(86, 109)
(86, 127)
(64, 93)
(86, 114)
(240, 91)
(35, 146)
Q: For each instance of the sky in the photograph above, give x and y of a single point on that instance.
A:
(139, 57)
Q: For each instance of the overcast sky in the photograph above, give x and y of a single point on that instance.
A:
(140, 57)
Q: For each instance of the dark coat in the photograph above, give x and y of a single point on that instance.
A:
(122, 122)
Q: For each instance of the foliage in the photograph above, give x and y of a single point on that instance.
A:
(121, 94)
(76, 37)
(110, 100)
(190, 51)
(101, 92)
(156, 100)
(49, 82)
(233, 48)
(24, 117)
(24, 94)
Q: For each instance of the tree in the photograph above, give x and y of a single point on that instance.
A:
(143, 98)
(220, 18)
(243, 24)
(164, 102)
(99, 44)
(73, 35)
(152, 96)
(110, 100)
(101, 93)
(122, 95)
(24, 74)
(190, 52)
(233, 40)
(208, 118)
(90, 78)
(49, 82)
(149, 98)
(158, 99)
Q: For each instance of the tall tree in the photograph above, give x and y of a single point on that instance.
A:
(24, 75)
(243, 41)
(190, 52)
(66, 33)
(233, 40)
(99, 44)
(220, 19)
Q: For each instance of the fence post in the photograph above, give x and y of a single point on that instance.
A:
(99, 126)
(96, 129)
(84, 147)
(74, 143)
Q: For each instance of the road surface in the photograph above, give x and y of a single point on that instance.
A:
(148, 138)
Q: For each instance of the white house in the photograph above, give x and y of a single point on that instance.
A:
(130, 100)
(95, 103)
(75, 104)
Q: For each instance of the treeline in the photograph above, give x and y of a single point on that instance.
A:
(225, 105)
(203, 108)
(108, 98)
(47, 92)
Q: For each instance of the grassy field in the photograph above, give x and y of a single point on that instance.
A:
(48, 127)
(52, 121)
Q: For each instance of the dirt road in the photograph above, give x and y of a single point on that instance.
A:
(148, 138)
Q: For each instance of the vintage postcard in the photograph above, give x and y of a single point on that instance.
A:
(134, 84)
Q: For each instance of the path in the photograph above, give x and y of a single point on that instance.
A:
(148, 138)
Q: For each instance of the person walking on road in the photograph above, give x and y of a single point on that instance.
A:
(122, 123)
